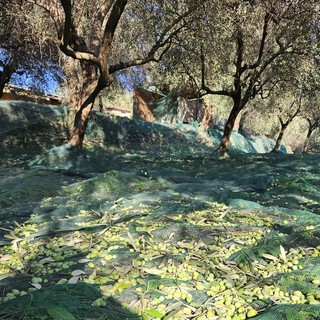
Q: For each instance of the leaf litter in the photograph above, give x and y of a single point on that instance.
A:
(154, 240)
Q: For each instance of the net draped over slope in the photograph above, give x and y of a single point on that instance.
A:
(217, 238)
(156, 227)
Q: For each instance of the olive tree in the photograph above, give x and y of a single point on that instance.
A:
(236, 48)
(22, 50)
(103, 37)
(294, 94)
(288, 108)
(312, 116)
(311, 108)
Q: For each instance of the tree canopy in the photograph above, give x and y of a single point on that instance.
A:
(95, 36)
(239, 48)
(25, 50)
(236, 49)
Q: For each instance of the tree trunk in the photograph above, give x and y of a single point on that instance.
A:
(82, 115)
(238, 125)
(2, 84)
(74, 83)
(306, 142)
(280, 137)
(312, 127)
(5, 76)
(80, 125)
(237, 107)
(84, 87)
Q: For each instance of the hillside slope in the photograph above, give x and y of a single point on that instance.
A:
(33, 127)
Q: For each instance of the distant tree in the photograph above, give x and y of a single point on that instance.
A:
(311, 114)
(9, 67)
(236, 48)
(105, 37)
(289, 108)
(22, 50)
(311, 108)
(295, 94)
(264, 35)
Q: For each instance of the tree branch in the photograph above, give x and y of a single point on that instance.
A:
(54, 10)
(124, 65)
(216, 92)
(204, 87)
(273, 57)
(65, 44)
(239, 68)
(203, 69)
(260, 89)
(281, 120)
(67, 8)
(87, 56)
(164, 40)
(262, 42)
(65, 32)
(298, 109)
(110, 28)
(98, 20)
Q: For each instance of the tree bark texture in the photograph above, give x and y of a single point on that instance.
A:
(238, 125)
(311, 128)
(280, 137)
(225, 140)
(306, 142)
(82, 114)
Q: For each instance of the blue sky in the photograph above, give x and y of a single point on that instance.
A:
(48, 84)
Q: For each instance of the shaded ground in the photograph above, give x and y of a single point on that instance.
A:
(159, 235)
(28, 129)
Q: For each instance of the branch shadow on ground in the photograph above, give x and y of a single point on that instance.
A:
(65, 301)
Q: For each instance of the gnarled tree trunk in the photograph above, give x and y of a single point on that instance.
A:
(228, 129)
(311, 128)
(238, 105)
(85, 88)
(280, 136)
(238, 126)
(306, 142)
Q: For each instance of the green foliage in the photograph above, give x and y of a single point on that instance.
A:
(286, 312)
(248, 255)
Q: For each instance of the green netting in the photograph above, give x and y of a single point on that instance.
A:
(163, 234)
(120, 134)
(261, 144)
(169, 133)
(20, 114)
(27, 129)
(291, 312)
(245, 144)
(64, 302)
(167, 109)
(155, 230)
